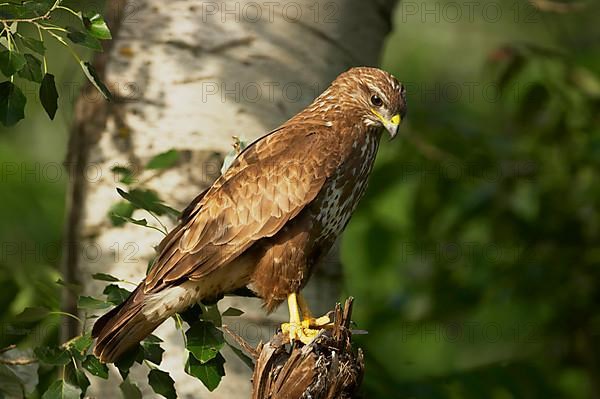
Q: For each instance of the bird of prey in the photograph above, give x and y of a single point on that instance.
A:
(271, 217)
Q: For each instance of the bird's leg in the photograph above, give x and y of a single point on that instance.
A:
(307, 318)
(296, 329)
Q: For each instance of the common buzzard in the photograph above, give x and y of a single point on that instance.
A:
(271, 217)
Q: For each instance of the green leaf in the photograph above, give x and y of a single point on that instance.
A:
(77, 378)
(211, 313)
(32, 70)
(93, 365)
(534, 103)
(73, 287)
(33, 44)
(139, 222)
(586, 81)
(96, 26)
(115, 294)
(12, 104)
(162, 383)
(83, 39)
(148, 200)
(24, 9)
(104, 277)
(79, 346)
(126, 174)
(119, 212)
(92, 75)
(130, 390)
(55, 356)
(233, 312)
(153, 339)
(32, 314)
(210, 373)
(127, 359)
(192, 314)
(13, 11)
(204, 340)
(243, 357)
(61, 389)
(11, 62)
(163, 160)
(152, 350)
(88, 302)
(49, 95)
(81, 343)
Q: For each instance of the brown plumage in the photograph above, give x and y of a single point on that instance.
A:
(272, 216)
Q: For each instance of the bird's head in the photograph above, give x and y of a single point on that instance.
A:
(374, 95)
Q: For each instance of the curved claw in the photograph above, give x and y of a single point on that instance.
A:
(298, 332)
(320, 322)
(302, 326)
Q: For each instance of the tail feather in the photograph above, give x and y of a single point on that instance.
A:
(122, 328)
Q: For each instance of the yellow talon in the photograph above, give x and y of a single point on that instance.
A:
(302, 326)
(296, 332)
(323, 322)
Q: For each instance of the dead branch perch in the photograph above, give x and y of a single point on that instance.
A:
(327, 368)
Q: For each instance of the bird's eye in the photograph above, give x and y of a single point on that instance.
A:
(376, 101)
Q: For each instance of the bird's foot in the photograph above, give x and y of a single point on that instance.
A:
(302, 326)
(307, 329)
(300, 332)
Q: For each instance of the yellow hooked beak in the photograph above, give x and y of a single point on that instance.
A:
(390, 125)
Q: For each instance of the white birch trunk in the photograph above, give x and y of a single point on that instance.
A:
(189, 75)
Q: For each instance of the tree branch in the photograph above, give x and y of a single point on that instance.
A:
(45, 16)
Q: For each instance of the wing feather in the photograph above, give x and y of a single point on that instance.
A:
(269, 184)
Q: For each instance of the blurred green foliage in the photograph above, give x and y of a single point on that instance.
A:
(473, 257)
(33, 182)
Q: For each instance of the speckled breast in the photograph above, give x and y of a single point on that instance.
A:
(338, 199)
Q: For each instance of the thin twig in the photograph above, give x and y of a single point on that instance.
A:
(34, 19)
(17, 362)
(56, 312)
(8, 348)
(61, 41)
(241, 342)
(159, 222)
(43, 55)
(14, 362)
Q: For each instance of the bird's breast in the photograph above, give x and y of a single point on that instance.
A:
(340, 196)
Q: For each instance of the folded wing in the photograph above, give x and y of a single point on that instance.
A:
(269, 184)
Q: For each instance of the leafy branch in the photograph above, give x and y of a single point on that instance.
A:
(74, 363)
(201, 326)
(20, 53)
